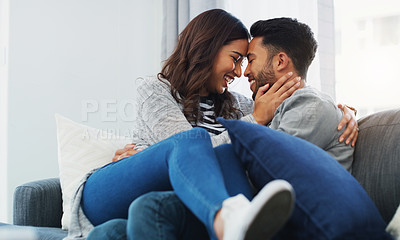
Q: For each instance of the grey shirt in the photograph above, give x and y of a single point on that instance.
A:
(313, 116)
(160, 116)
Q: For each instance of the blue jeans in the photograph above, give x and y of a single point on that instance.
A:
(114, 229)
(185, 163)
(155, 215)
(163, 216)
(327, 196)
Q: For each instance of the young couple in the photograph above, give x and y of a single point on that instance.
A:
(191, 91)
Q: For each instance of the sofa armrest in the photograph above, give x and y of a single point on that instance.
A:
(38, 203)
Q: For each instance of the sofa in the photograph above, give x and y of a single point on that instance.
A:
(38, 205)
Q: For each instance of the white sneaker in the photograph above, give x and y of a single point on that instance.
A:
(261, 218)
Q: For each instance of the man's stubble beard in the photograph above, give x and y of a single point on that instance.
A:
(267, 75)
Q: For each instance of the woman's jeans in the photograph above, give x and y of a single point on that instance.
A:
(186, 163)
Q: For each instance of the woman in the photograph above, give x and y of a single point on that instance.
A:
(207, 58)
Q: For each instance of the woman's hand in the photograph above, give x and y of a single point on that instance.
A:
(349, 119)
(125, 152)
(266, 103)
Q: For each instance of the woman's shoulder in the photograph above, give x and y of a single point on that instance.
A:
(244, 103)
(240, 98)
(152, 81)
(152, 84)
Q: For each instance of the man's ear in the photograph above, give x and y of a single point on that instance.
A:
(282, 61)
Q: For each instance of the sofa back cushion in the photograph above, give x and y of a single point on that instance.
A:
(377, 160)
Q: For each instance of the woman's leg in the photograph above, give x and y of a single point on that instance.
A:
(235, 177)
(185, 161)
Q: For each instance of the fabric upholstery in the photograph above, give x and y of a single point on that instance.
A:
(28, 233)
(377, 160)
(38, 203)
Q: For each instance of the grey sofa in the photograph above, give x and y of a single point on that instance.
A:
(376, 166)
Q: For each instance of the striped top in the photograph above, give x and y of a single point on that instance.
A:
(209, 121)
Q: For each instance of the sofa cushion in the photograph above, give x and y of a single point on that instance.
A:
(377, 160)
(80, 150)
(30, 233)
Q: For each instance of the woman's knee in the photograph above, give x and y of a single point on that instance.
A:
(194, 134)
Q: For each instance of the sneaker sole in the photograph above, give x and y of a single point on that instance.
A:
(273, 206)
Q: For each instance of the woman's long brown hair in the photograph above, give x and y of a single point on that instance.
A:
(189, 67)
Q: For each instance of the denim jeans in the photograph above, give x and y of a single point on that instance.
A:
(114, 229)
(185, 163)
(163, 216)
(328, 198)
(155, 215)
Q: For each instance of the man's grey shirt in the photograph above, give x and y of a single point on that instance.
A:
(313, 116)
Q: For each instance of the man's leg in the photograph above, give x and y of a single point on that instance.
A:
(162, 216)
(112, 230)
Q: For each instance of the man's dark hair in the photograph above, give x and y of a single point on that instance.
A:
(290, 36)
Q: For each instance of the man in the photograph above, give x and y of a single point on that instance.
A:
(308, 113)
(279, 46)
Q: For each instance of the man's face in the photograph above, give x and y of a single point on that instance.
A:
(259, 70)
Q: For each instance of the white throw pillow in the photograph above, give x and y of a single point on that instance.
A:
(81, 149)
(394, 225)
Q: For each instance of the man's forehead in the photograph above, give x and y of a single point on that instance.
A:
(254, 46)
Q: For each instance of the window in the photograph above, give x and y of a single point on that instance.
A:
(386, 30)
(367, 51)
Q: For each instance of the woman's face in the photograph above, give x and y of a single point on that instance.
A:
(227, 66)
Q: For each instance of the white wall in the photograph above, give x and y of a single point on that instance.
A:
(3, 107)
(64, 54)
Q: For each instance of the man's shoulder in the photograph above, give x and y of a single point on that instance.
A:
(309, 96)
(310, 104)
(312, 92)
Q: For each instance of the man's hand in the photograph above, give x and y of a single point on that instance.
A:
(349, 119)
(125, 152)
(266, 103)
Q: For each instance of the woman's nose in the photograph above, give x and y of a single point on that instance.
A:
(247, 71)
(238, 70)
